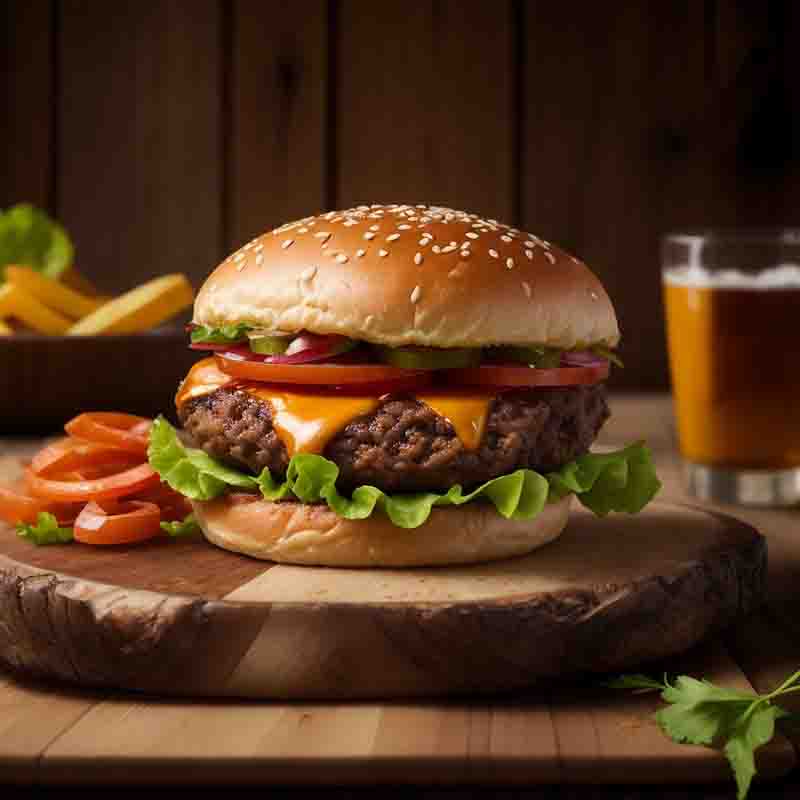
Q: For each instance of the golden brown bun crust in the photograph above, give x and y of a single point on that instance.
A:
(410, 275)
(294, 533)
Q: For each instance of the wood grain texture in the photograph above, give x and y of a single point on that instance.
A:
(28, 98)
(406, 128)
(139, 139)
(277, 148)
(655, 585)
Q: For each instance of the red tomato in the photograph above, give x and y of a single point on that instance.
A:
(326, 374)
(125, 431)
(501, 375)
(109, 486)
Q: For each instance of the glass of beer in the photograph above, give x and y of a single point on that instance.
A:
(732, 303)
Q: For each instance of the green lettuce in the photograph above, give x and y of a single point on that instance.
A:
(181, 528)
(624, 480)
(45, 531)
(29, 237)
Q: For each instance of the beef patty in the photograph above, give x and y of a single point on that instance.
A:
(405, 446)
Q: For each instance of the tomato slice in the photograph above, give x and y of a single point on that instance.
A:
(109, 486)
(322, 374)
(501, 375)
(124, 431)
(117, 523)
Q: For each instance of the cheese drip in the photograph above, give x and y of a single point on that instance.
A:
(306, 420)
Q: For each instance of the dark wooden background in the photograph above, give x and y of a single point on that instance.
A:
(164, 134)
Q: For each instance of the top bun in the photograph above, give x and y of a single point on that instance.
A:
(410, 275)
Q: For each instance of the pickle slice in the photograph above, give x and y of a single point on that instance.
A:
(269, 345)
(430, 357)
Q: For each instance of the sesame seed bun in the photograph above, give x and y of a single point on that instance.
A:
(410, 275)
(294, 533)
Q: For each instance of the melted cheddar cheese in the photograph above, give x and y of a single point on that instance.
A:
(306, 420)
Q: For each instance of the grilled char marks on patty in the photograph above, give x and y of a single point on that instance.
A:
(405, 446)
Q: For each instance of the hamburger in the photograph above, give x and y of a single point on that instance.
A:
(397, 385)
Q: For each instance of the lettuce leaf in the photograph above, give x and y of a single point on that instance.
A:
(181, 528)
(29, 237)
(621, 481)
(45, 531)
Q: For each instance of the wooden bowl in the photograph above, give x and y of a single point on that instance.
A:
(46, 380)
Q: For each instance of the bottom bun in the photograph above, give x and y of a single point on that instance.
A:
(294, 533)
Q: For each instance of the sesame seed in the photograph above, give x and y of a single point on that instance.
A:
(465, 254)
(369, 235)
(529, 253)
(593, 294)
(466, 245)
(287, 244)
(494, 254)
(549, 256)
(302, 230)
(324, 235)
(308, 273)
(415, 294)
(449, 248)
(350, 222)
(418, 259)
(453, 244)
(383, 253)
(436, 248)
(393, 237)
(424, 241)
(527, 287)
(506, 239)
(509, 263)
(360, 253)
(239, 257)
(472, 235)
(259, 259)
(341, 258)
(404, 227)
(259, 247)
(374, 227)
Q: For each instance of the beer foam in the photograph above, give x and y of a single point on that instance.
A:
(782, 276)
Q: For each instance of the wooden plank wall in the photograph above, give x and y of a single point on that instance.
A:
(166, 133)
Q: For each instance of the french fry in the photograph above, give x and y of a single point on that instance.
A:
(5, 329)
(55, 296)
(17, 303)
(139, 309)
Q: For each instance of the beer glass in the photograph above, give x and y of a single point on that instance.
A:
(732, 302)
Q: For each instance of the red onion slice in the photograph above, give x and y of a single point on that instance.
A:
(582, 358)
(310, 347)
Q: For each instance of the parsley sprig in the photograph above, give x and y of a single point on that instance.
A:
(701, 713)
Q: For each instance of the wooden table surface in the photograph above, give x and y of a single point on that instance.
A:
(766, 650)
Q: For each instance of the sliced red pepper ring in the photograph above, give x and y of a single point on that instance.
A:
(16, 506)
(119, 484)
(111, 523)
(124, 431)
(67, 454)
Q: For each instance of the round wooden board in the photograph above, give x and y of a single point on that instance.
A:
(188, 618)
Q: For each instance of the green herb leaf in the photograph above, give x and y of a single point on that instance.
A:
(226, 334)
(701, 713)
(30, 238)
(179, 529)
(45, 531)
(312, 479)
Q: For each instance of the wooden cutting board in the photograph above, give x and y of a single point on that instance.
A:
(188, 618)
(575, 733)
